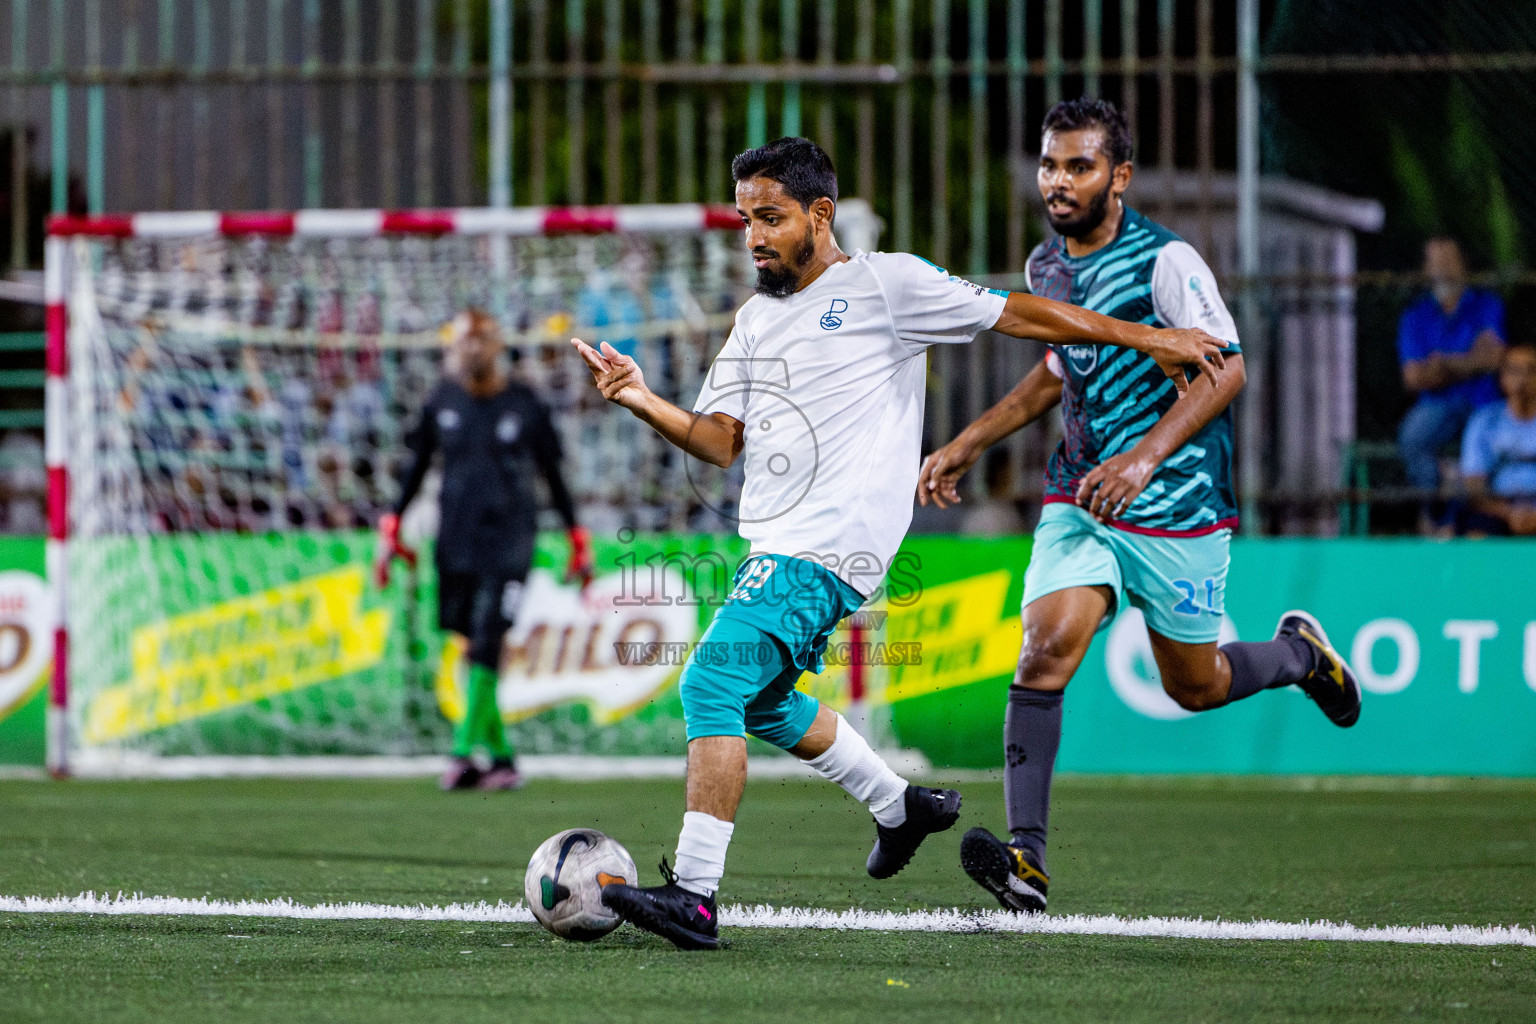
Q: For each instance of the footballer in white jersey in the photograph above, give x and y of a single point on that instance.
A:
(820, 388)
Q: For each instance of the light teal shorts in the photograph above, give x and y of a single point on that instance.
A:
(773, 626)
(740, 680)
(1179, 583)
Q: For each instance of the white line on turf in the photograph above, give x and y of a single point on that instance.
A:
(97, 764)
(796, 917)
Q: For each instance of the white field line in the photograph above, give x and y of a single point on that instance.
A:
(796, 917)
(128, 765)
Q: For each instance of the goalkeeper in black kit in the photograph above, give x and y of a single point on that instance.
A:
(493, 433)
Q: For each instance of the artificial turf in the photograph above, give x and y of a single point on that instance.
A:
(1443, 853)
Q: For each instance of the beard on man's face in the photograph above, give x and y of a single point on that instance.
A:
(781, 280)
(1085, 220)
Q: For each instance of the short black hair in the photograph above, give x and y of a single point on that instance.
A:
(799, 165)
(1084, 112)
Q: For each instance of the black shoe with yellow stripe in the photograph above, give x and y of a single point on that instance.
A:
(1331, 683)
(1005, 871)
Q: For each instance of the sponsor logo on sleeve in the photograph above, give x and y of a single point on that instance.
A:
(1207, 310)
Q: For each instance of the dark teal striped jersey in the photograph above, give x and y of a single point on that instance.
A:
(1112, 396)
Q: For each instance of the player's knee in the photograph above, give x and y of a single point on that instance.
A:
(782, 722)
(1193, 694)
(1045, 663)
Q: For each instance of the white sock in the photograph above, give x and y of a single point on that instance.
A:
(853, 765)
(701, 852)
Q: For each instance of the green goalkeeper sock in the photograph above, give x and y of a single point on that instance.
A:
(482, 694)
(480, 691)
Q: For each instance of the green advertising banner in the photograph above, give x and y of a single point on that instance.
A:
(26, 649)
(280, 644)
(1443, 637)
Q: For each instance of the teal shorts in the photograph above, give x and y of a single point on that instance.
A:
(1179, 583)
(774, 626)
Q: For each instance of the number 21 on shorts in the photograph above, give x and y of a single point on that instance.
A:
(1190, 605)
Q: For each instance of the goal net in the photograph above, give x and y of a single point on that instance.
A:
(228, 400)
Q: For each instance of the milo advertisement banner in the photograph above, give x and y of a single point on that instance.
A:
(281, 644)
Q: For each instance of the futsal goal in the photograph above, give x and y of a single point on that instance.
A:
(227, 399)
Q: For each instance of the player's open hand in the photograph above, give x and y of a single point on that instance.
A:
(616, 375)
(938, 479)
(1110, 487)
(1178, 348)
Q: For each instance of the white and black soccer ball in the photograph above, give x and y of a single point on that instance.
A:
(565, 879)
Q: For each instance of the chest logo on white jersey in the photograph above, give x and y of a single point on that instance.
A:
(508, 428)
(1084, 358)
(447, 419)
(831, 320)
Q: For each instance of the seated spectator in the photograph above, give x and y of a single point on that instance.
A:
(1449, 343)
(1498, 453)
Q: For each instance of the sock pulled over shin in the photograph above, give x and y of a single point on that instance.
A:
(1031, 734)
(481, 723)
(1265, 666)
(701, 852)
(863, 774)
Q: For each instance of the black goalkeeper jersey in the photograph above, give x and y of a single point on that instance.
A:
(491, 448)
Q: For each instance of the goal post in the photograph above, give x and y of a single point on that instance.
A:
(227, 398)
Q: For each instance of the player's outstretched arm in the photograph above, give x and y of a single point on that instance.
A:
(1110, 487)
(715, 438)
(1059, 323)
(1034, 396)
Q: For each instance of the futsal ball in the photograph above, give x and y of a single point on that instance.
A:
(565, 879)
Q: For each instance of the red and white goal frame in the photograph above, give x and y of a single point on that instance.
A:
(857, 225)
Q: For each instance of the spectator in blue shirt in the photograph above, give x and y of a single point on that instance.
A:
(1498, 453)
(1449, 343)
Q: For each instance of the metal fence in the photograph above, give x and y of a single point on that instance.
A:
(286, 103)
(927, 106)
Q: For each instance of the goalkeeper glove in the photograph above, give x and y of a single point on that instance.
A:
(579, 565)
(389, 549)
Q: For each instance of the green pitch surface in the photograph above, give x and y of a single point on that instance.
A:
(1396, 854)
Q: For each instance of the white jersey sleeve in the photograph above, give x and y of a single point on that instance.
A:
(1184, 294)
(728, 381)
(929, 306)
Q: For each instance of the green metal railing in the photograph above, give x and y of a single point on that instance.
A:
(286, 103)
(929, 108)
(29, 380)
(925, 104)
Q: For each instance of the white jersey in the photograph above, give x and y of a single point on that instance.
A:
(829, 384)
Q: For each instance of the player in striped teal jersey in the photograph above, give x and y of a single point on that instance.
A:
(1138, 499)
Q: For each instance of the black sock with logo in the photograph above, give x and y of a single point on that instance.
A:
(1031, 734)
(1265, 666)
